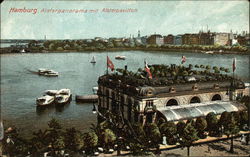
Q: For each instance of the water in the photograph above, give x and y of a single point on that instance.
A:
(19, 88)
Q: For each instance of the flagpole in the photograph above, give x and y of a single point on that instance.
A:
(107, 65)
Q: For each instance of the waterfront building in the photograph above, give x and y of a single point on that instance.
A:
(206, 38)
(156, 39)
(190, 39)
(222, 39)
(178, 40)
(139, 99)
(242, 40)
(169, 39)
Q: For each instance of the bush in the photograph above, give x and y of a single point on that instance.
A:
(180, 127)
(201, 125)
(212, 124)
(170, 130)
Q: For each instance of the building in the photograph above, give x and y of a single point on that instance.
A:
(222, 39)
(147, 100)
(169, 39)
(178, 40)
(206, 38)
(156, 39)
(190, 39)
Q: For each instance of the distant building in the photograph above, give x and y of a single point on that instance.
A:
(222, 39)
(178, 40)
(144, 40)
(206, 38)
(242, 40)
(155, 39)
(190, 39)
(169, 39)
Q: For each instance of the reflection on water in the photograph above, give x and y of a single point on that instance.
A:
(19, 88)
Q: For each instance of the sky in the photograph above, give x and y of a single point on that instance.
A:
(161, 17)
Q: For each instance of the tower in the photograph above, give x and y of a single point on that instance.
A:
(139, 35)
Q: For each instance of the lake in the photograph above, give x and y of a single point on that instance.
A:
(20, 88)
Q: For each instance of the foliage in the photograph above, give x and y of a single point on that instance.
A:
(231, 128)
(90, 141)
(108, 137)
(201, 125)
(153, 133)
(73, 140)
(212, 124)
(169, 129)
(189, 135)
(180, 127)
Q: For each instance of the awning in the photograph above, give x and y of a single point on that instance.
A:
(175, 113)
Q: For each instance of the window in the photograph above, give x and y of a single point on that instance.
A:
(216, 97)
(195, 100)
(149, 103)
(172, 102)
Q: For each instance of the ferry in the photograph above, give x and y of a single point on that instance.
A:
(47, 72)
(45, 100)
(63, 96)
(120, 57)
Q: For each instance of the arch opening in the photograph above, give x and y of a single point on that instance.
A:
(195, 100)
(216, 97)
(172, 102)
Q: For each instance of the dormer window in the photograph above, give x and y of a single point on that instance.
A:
(172, 90)
(216, 86)
(195, 87)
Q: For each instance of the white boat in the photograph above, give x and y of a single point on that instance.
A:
(51, 92)
(45, 100)
(93, 60)
(47, 72)
(209, 52)
(63, 96)
(22, 51)
(120, 57)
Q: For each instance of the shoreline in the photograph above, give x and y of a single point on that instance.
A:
(164, 50)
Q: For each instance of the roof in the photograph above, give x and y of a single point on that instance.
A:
(175, 113)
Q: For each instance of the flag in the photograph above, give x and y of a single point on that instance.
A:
(148, 70)
(110, 64)
(183, 59)
(234, 64)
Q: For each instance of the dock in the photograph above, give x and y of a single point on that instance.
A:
(87, 98)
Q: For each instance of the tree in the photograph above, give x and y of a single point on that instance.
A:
(223, 120)
(55, 136)
(73, 140)
(154, 135)
(201, 125)
(39, 141)
(212, 124)
(188, 137)
(231, 129)
(108, 137)
(180, 127)
(170, 130)
(90, 141)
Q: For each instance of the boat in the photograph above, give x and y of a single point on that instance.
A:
(120, 57)
(51, 92)
(22, 51)
(45, 100)
(209, 52)
(93, 60)
(63, 96)
(47, 72)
